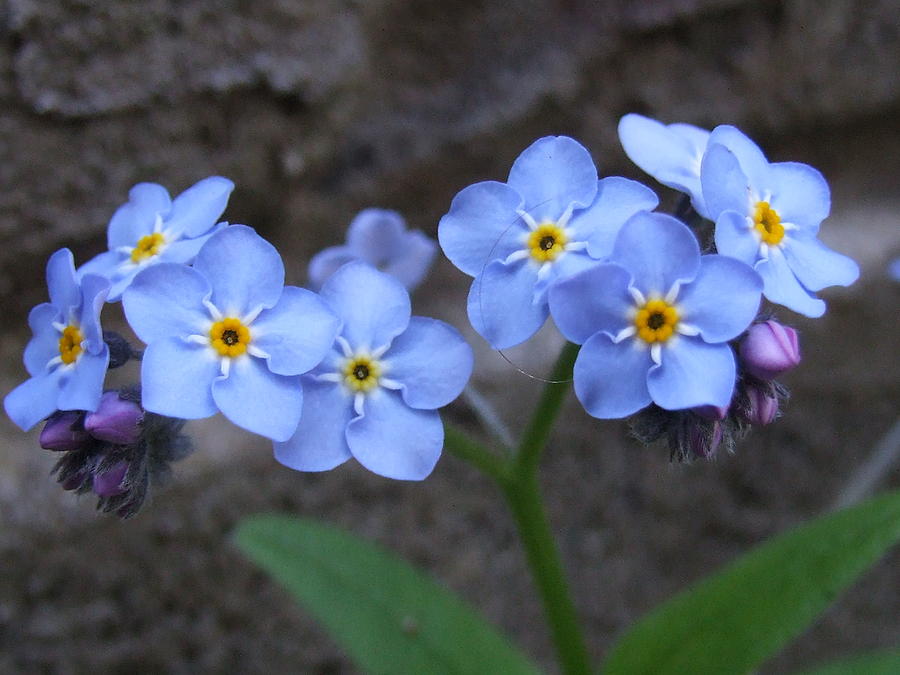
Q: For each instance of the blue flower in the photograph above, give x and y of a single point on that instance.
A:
(375, 396)
(380, 238)
(654, 322)
(552, 218)
(151, 228)
(670, 153)
(227, 335)
(768, 216)
(67, 357)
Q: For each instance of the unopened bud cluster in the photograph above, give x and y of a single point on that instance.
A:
(116, 452)
(767, 350)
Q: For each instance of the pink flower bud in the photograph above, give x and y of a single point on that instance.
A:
(703, 441)
(109, 483)
(762, 406)
(769, 350)
(115, 420)
(64, 431)
(712, 413)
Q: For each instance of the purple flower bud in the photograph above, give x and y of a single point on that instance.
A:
(75, 480)
(712, 413)
(762, 406)
(703, 440)
(109, 483)
(115, 420)
(64, 431)
(769, 350)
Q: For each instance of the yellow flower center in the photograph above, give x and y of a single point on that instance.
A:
(229, 337)
(546, 242)
(147, 247)
(70, 344)
(656, 321)
(361, 373)
(768, 223)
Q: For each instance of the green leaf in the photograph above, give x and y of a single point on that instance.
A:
(388, 616)
(874, 663)
(735, 620)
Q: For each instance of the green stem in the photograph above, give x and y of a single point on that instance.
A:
(523, 496)
(535, 437)
(516, 476)
(465, 448)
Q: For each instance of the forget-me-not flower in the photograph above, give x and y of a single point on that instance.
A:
(227, 335)
(768, 216)
(375, 396)
(552, 218)
(380, 238)
(66, 357)
(670, 153)
(655, 321)
(151, 228)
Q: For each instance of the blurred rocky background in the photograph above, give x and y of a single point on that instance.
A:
(318, 108)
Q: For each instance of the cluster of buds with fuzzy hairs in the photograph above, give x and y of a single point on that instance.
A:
(767, 350)
(117, 451)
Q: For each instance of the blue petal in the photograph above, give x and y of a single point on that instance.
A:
(33, 400)
(258, 400)
(375, 235)
(137, 217)
(753, 162)
(671, 154)
(782, 287)
(725, 185)
(736, 238)
(592, 301)
(394, 440)
(328, 261)
(553, 173)
(122, 279)
(150, 197)
(658, 250)
(815, 265)
(692, 373)
(94, 290)
(482, 225)
(800, 195)
(611, 378)
(296, 333)
(65, 293)
(319, 443)
(431, 360)
(185, 250)
(198, 208)
(412, 263)
(617, 200)
(82, 386)
(565, 266)
(105, 264)
(177, 377)
(243, 269)
(166, 300)
(44, 345)
(722, 300)
(501, 304)
(373, 306)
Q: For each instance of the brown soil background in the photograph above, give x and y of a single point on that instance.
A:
(318, 109)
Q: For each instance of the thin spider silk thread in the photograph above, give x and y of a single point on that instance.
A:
(489, 258)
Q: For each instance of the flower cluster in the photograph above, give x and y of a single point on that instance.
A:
(670, 334)
(671, 329)
(347, 372)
